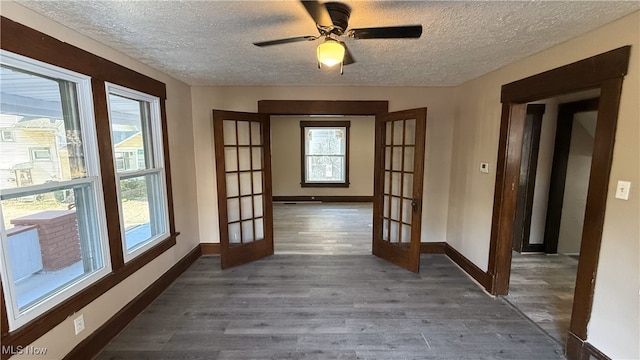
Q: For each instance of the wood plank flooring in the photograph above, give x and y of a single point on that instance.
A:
(542, 287)
(323, 296)
(323, 228)
(329, 307)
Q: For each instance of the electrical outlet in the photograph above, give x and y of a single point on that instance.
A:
(484, 167)
(78, 324)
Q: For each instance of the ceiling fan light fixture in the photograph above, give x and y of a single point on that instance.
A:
(330, 52)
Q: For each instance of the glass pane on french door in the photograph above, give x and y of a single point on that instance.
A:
(244, 175)
(399, 150)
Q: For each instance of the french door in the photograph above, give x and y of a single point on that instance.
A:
(243, 174)
(399, 171)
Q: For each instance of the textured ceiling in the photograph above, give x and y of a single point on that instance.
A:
(210, 42)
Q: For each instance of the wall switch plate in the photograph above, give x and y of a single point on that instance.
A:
(622, 191)
(484, 167)
(78, 324)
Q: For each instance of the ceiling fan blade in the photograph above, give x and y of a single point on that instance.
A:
(318, 12)
(348, 58)
(285, 41)
(391, 32)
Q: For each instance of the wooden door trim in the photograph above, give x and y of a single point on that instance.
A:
(605, 71)
(589, 73)
(323, 107)
(566, 112)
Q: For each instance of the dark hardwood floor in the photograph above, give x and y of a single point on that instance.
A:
(542, 287)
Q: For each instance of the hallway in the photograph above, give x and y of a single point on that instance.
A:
(542, 288)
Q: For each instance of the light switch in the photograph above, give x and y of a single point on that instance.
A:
(484, 167)
(622, 191)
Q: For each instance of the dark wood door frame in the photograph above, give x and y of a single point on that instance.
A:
(526, 186)
(606, 72)
(323, 107)
(559, 169)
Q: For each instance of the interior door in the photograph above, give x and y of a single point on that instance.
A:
(399, 171)
(527, 182)
(243, 173)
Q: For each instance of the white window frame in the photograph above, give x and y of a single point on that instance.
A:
(5, 138)
(34, 150)
(156, 168)
(17, 318)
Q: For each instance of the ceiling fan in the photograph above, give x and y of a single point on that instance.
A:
(332, 20)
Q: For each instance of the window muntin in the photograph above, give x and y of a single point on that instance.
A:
(324, 149)
(49, 176)
(140, 175)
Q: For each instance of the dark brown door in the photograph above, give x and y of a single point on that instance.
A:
(399, 170)
(527, 183)
(243, 173)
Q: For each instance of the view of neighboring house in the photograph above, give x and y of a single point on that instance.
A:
(34, 151)
(129, 153)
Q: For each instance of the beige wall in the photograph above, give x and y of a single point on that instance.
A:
(615, 320)
(437, 161)
(61, 339)
(285, 156)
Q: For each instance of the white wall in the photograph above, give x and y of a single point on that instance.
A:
(576, 185)
(614, 327)
(437, 159)
(543, 171)
(60, 340)
(285, 156)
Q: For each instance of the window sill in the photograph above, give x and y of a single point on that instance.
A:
(324, 185)
(34, 329)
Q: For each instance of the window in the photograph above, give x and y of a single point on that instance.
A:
(6, 135)
(125, 160)
(325, 153)
(45, 106)
(53, 229)
(138, 155)
(42, 153)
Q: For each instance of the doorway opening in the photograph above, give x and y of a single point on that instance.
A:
(399, 150)
(557, 150)
(317, 219)
(606, 73)
(322, 180)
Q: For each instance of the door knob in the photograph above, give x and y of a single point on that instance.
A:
(414, 205)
